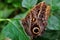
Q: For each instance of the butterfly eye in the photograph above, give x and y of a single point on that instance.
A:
(36, 30)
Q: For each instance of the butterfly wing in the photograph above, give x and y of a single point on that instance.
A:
(36, 20)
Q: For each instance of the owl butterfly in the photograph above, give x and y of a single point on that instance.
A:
(36, 20)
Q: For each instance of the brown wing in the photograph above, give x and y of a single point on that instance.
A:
(36, 20)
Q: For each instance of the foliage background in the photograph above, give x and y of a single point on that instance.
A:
(12, 11)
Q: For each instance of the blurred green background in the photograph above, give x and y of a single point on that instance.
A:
(12, 11)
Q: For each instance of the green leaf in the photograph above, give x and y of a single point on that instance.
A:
(17, 3)
(41, 38)
(8, 1)
(1, 36)
(53, 23)
(55, 4)
(48, 2)
(52, 35)
(5, 12)
(2, 5)
(49, 35)
(20, 16)
(14, 30)
(29, 3)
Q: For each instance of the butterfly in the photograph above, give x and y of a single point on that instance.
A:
(36, 20)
